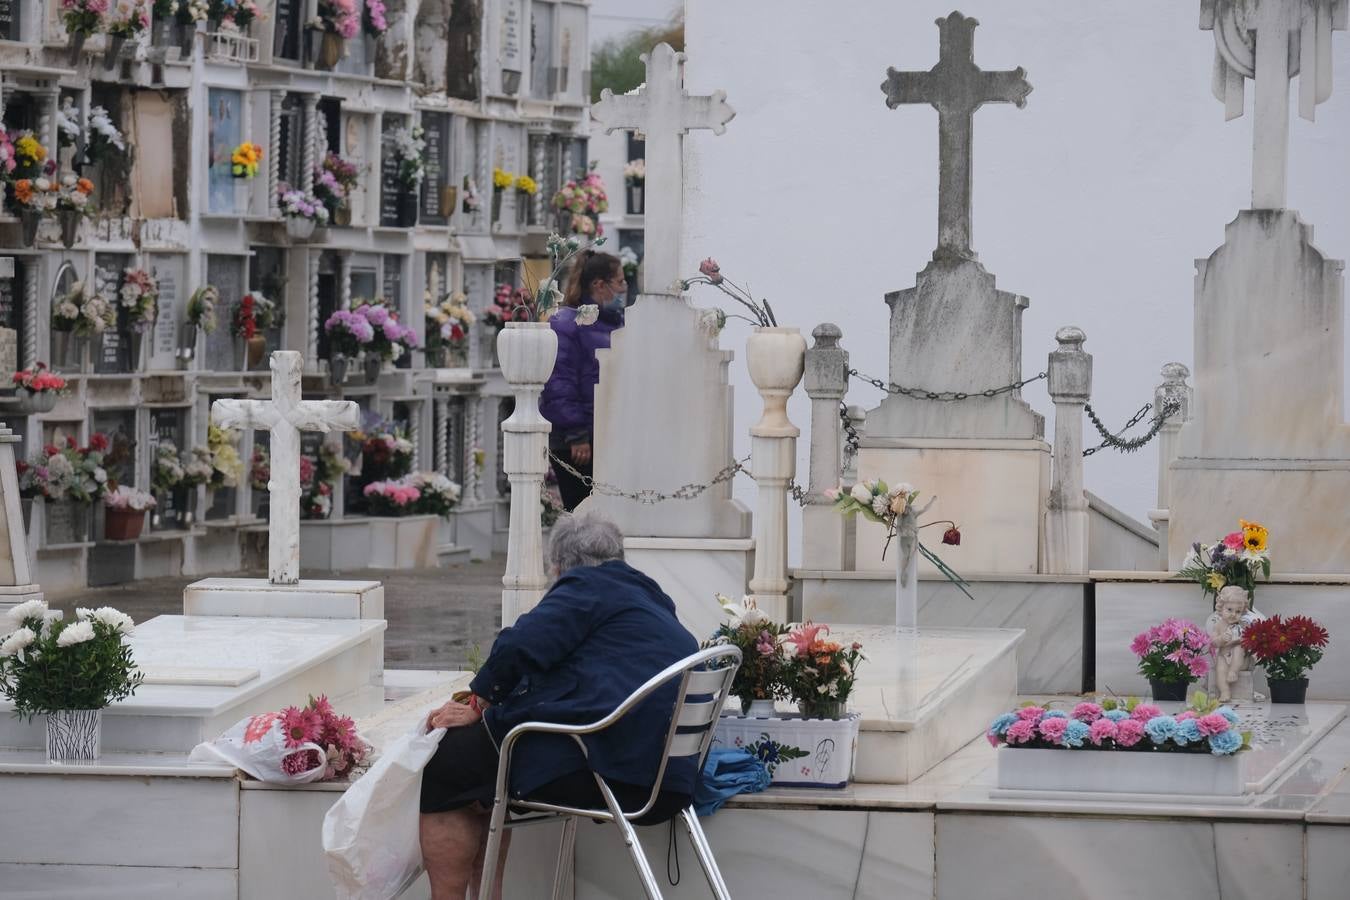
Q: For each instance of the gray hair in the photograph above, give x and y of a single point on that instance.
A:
(585, 540)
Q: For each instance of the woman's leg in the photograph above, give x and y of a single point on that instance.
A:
(450, 846)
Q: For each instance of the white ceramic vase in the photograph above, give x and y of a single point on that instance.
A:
(776, 359)
(74, 734)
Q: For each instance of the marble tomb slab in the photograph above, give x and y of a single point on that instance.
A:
(294, 658)
(307, 599)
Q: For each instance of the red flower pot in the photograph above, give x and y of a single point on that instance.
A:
(123, 524)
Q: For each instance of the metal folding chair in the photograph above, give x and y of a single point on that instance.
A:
(692, 724)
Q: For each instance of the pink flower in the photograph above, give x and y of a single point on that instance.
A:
(300, 763)
(1199, 667)
(1139, 646)
(1023, 732)
(1087, 712)
(320, 703)
(801, 638)
(300, 726)
(1053, 729)
(1031, 713)
(711, 269)
(766, 644)
(991, 738)
(1234, 541)
(1184, 715)
(1128, 732)
(1101, 730)
(1212, 724)
(1145, 711)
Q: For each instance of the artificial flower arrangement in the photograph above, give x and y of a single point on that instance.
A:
(201, 308)
(198, 468)
(29, 155)
(1237, 559)
(762, 673)
(635, 173)
(126, 18)
(39, 380)
(83, 312)
(296, 204)
(409, 148)
(386, 452)
(551, 505)
(448, 322)
(375, 22)
(227, 468)
(1174, 653)
(128, 498)
(714, 320)
(316, 722)
(318, 477)
(83, 17)
(509, 304)
(1130, 726)
(1285, 648)
(469, 192)
(139, 294)
(338, 16)
(72, 194)
(438, 495)
(260, 468)
(68, 472)
(348, 332)
(104, 137)
(501, 180)
(585, 199)
(548, 296)
(526, 185)
(234, 14)
(49, 664)
(34, 196)
(166, 469)
(391, 498)
(334, 180)
(185, 12)
(389, 339)
(245, 160)
(628, 258)
(254, 313)
(820, 673)
(894, 507)
(7, 161)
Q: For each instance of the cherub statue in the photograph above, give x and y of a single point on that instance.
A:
(1225, 626)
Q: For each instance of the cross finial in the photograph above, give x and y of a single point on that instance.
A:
(663, 113)
(955, 87)
(285, 416)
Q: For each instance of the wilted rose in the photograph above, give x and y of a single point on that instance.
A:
(898, 504)
(711, 269)
(952, 536)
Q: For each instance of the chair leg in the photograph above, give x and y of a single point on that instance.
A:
(493, 848)
(705, 855)
(566, 850)
(630, 840)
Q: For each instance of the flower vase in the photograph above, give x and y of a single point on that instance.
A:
(187, 35)
(372, 365)
(74, 734)
(449, 197)
(26, 504)
(907, 573)
(187, 345)
(407, 209)
(299, 228)
(243, 194)
(29, 220)
(757, 709)
(256, 353)
(1169, 690)
(76, 47)
(1288, 690)
(337, 370)
(497, 205)
(522, 210)
(330, 50)
(635, 198)
(342, 215)
(828, 709)
(123, 524)
(113, 51)
(35, 402)
(70, 226)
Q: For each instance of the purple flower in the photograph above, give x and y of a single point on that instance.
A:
(376, 315)
(392, 330)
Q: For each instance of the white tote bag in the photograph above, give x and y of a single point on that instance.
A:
(370, 834)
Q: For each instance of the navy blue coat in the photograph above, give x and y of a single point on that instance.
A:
(568, 400)
(598, 634)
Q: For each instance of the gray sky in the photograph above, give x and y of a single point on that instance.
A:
(612, 17)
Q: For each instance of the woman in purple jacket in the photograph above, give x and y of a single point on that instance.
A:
(568, 400)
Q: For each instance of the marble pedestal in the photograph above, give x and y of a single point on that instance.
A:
(309, 599)
(12, 595)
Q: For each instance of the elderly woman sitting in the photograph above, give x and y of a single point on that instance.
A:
(599, 633)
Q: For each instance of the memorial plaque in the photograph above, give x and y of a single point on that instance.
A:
(119, 427)
(225, 131)
(436, 133)
(227, 274)
(112, 352)
(10, 22)
(288, 29)
(11, 302)
(390, 186)
(327, 305)
(392, 289)
(541, 50)
(165, 336)
(509, 51)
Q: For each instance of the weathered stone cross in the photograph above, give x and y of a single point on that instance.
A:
(662, 112)
(956, 87)
(285, 416)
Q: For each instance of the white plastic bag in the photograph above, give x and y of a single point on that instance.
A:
(257, 746)
(370, 834)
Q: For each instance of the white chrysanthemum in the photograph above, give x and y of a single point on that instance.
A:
(32, 609)
(75, 634)
(82, 612)
(115, 619)
(904, 489)
(881, 505)
(17, 642)
(49, 620)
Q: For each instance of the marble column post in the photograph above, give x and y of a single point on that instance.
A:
(775, 357)
(857, 420)
(30, 310)
(826, 382)
(345, 279)
(46, 129)
(311, 143)
(1173, 390)
(312, 344)
(528, 351)
(1066, 518)
(442, 418)
(473, 424)
(275, 99)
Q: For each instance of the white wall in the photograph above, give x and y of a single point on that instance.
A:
(1093, 201)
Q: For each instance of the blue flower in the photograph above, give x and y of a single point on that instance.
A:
(1160, 728)
(1000, 726)
(1188, 732)
(1055, 714)
(1232, 717)
(1116, 715)
(1225, 742)
(1075, 733)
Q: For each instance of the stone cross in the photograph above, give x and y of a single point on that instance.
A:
(1271, 41)
(663, 113)
(956, 87)
(285, 416)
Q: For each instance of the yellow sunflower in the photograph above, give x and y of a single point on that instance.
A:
(1254, 536)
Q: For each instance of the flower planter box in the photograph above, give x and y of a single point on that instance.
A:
(1120, 772)
(816, 753)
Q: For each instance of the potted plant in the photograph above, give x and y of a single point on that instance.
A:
(245, 161)
(72, 206)
(820, 673)
(200, 314)
(1286, 649)
(334, 181)
(1171, 656)
(635, 178)
(447, 326)
(526, 188)
(124, 20)
(391, 498)
(303, 213)
(408, 149)
(348, 334)
(140, 299)
(38, 388)
(438, 494)
(1237, 559)
(69, 671)
(762, 676)
(81, 18)
(254, 315)
(336, 23)
(124, 513)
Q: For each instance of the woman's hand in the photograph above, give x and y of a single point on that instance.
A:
(452, 715)
(581, 454)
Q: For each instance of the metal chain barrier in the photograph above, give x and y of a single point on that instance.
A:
(945, 396)
(648, 495)
(1129, 445)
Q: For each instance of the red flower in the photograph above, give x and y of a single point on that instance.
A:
(98, 441)
(51, 450)
(20, 466)
(952, 536)
(70, 443)
(1304, 632)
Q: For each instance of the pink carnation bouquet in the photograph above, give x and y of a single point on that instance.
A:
(391, 498)
(318, 723)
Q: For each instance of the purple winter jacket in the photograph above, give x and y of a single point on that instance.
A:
(568, 401)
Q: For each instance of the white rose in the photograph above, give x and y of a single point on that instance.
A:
(76, 634)
(17, 642)
(42, 184)
(100, 474)
(68, 180)
(33, 609)
(861, 493)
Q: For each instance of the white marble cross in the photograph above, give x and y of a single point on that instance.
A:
(285, 416)
(663, 113)
(1271, 41)
(956, 87)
